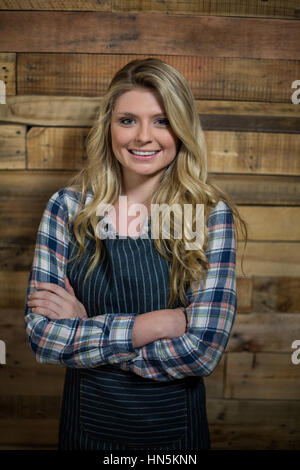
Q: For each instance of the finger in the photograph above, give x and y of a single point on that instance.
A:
(47, 299)
(55, 288)
(68, 286)
(45, 313)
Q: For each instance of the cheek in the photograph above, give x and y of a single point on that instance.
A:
(119, 137)
(172, 144)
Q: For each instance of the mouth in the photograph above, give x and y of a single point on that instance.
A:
(144, 155)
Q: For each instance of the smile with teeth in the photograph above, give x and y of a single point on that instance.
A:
(144, 153)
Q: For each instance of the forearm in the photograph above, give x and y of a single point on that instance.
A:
(80, 343)
(147, 328)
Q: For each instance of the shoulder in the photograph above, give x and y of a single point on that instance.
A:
(66, 201)
(220, 214)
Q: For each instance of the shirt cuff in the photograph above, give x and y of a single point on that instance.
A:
(120, 336)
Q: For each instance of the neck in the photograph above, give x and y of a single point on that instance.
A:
(139, 190)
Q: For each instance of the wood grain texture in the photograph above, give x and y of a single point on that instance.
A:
(41, 432)
(243, 189)
(8, 72)
(268, 376)
(264, 332)
(29, 406)
(60, 5)
(24, 195)
(249, 152)
(23, 198)
(56, 148)
(244, 289)
(12, 147)
(222, 78)
(124, 33)
(16, 256)
(228, 152)
(214, 383)
(256, 8)
(246, 123)
(272, 223)
(254, 424)
(260, 189)
(58, 63)
(70, 111)
(280, 294)
(269, 259)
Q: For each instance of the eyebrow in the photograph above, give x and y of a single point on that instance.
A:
(131, 114)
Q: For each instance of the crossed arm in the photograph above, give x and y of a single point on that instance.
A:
(108, 339)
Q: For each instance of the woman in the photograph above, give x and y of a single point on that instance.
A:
(137, 321)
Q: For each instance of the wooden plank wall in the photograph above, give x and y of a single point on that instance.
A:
(241, 58)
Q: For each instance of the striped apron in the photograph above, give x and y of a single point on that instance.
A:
(106, 408)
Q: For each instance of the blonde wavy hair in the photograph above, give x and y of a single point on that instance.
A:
(184, 181)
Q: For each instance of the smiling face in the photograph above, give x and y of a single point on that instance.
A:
(142, 139)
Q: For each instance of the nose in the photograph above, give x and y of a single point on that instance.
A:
(143, 133)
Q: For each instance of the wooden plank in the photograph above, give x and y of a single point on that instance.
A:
(31, 378)
(50, 111)
(29, 406)
(271, 294)
(74, 111)
(29, 185)
(254, 424)
(17, 256)
(24, 195)
(244, 289)
(56, 148)
(268, 376)
(13, 289)
(41, 432)
(23, 198)
(12, 147)
(28, 447)
(22, 374)
(272, 223)
(243, 189)
(269, 259)
(123, 33)
(214, 383)
(222, 78)
(8, 72)
(228, 152)
(261, 259)
(60, 5)
(250, 123)
(270, 9)
(253, 152)
(259, 189)
(242, 108)
(264, 332)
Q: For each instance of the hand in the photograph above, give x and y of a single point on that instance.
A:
(55, 302)
(174, 322)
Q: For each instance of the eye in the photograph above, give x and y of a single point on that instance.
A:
(163, 122)
(122, 121)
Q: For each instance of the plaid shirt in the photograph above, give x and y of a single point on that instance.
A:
(107, 339)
